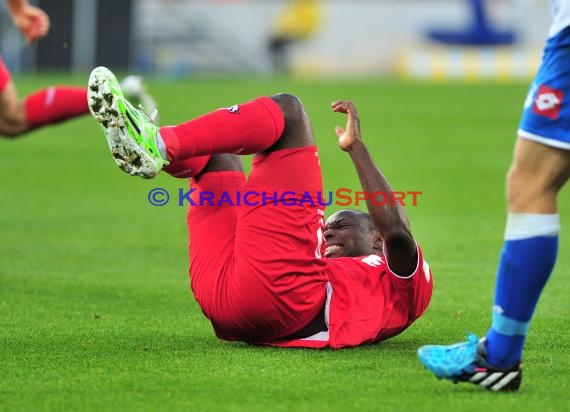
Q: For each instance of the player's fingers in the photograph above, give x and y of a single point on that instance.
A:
(41, 28)
(345, 106)
(31, 38)
(41, 32)
(351, 109)
(338, 102)
(338, 107)
(36, 31)
(40, 23)
(339, 131)
(31, 34)
(45, 23)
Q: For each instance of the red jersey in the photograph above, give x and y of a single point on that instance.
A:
(367, 302)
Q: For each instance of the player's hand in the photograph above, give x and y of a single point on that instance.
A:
(350, 135)
(32, 21)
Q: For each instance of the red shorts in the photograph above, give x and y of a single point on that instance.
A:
(4, 75)
(254, 265)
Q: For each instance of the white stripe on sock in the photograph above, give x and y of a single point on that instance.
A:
(50, 96)
(527, 225)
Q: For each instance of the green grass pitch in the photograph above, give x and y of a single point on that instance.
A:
(95, 307)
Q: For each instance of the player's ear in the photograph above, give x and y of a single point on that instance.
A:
(377, 242)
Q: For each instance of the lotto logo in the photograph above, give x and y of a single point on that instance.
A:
(547, 102)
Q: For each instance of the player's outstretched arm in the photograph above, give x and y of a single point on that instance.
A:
(390, 220)
(32, 21)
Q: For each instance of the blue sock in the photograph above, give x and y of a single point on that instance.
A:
(528, 257)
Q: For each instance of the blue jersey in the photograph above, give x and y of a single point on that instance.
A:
(546, 114)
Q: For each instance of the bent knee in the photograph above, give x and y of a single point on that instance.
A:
(298, 131)
(290, 105)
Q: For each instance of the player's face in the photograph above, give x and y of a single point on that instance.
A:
(347, 234)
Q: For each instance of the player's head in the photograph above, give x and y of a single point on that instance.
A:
(351, 233)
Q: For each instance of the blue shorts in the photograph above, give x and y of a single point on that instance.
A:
(546, 115)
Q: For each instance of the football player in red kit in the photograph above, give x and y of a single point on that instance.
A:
(271, 271)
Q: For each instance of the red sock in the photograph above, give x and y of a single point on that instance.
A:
(245, 129)
(186, 168)
(55, 104)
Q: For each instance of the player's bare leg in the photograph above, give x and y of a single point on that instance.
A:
(537, 174)
(55, 104)
(298, 131)
(12, 113)
(43, 107)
